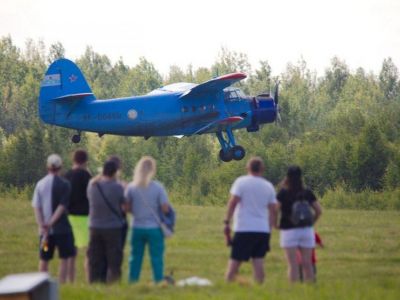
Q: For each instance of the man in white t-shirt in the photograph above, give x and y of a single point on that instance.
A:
(252, 206)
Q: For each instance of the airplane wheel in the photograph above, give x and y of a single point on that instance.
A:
(76, 138)
(238, 152)
(225, 156)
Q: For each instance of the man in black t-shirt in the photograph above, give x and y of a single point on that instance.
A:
(78, 208)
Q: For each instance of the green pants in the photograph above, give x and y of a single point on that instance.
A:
(155, 239)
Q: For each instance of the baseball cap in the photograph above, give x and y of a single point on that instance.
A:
(54, 161)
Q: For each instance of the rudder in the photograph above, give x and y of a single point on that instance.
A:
(62, 81)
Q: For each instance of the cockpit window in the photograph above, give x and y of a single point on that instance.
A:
(230, 96)
(240, 93)
(233, 94)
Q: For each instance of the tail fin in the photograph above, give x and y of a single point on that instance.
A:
(63, 81)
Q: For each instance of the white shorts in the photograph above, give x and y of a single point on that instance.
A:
(297, 237)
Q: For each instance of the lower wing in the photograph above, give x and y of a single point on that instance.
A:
(219, 125)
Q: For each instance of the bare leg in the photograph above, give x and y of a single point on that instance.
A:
(258, 269)
(307, 265)
(86, 267)
(233, 269)
(293, 270)
(43, 266)
(63, 270)
(71, 269)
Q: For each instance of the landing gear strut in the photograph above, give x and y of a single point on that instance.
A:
(229, 149)
(76, 138)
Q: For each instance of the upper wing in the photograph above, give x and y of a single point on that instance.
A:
(214, 85)
(219, 125)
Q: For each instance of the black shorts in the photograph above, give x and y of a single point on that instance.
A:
(64, 244)
(246, 245)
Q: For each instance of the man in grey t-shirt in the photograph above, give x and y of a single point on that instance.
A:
(50, 201)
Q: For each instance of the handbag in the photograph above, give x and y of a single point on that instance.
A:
(112, 209)
(167, 232)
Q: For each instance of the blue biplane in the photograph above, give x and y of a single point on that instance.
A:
(179, 109)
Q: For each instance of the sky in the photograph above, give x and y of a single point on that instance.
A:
(183, 32)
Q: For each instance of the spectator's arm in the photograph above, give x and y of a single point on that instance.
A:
(40, 220)
(277, 210)
(163, 200)
(57, 215)
(165, 208)
(318, 210)
(125, 206)
(272, 215)
(233, 201)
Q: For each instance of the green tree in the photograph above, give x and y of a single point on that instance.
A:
(335, 79)
(141, 79)
(370, 159)
(388, 79)
(261, 81)
(230, 62)
(56, 51)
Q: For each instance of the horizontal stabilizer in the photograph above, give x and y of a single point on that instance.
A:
(214, 85)
(73, 96)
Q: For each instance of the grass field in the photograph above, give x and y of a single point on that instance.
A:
(361, 259)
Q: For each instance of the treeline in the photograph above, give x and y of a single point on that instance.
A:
(341, 127)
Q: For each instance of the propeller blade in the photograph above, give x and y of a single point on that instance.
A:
(276, 94)
(278, 115)
(276, 100)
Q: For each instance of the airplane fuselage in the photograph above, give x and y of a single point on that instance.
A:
(155, 115)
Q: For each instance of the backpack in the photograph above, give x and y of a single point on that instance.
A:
(168, 219)
(302, 215)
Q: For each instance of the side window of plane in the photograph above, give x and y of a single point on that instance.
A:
(231, 96)
(234, 96)
(226, 96)
(185, 109)
(193, 108)
(240, 94)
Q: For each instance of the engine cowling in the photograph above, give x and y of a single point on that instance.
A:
(264, 110)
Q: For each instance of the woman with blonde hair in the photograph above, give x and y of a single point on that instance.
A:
(146, 199)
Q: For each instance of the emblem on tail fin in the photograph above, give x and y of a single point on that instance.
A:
(51, 80)
(72, 78)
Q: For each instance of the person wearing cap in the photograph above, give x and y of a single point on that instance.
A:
(50, 201)
(252, 207)
(294, 238)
